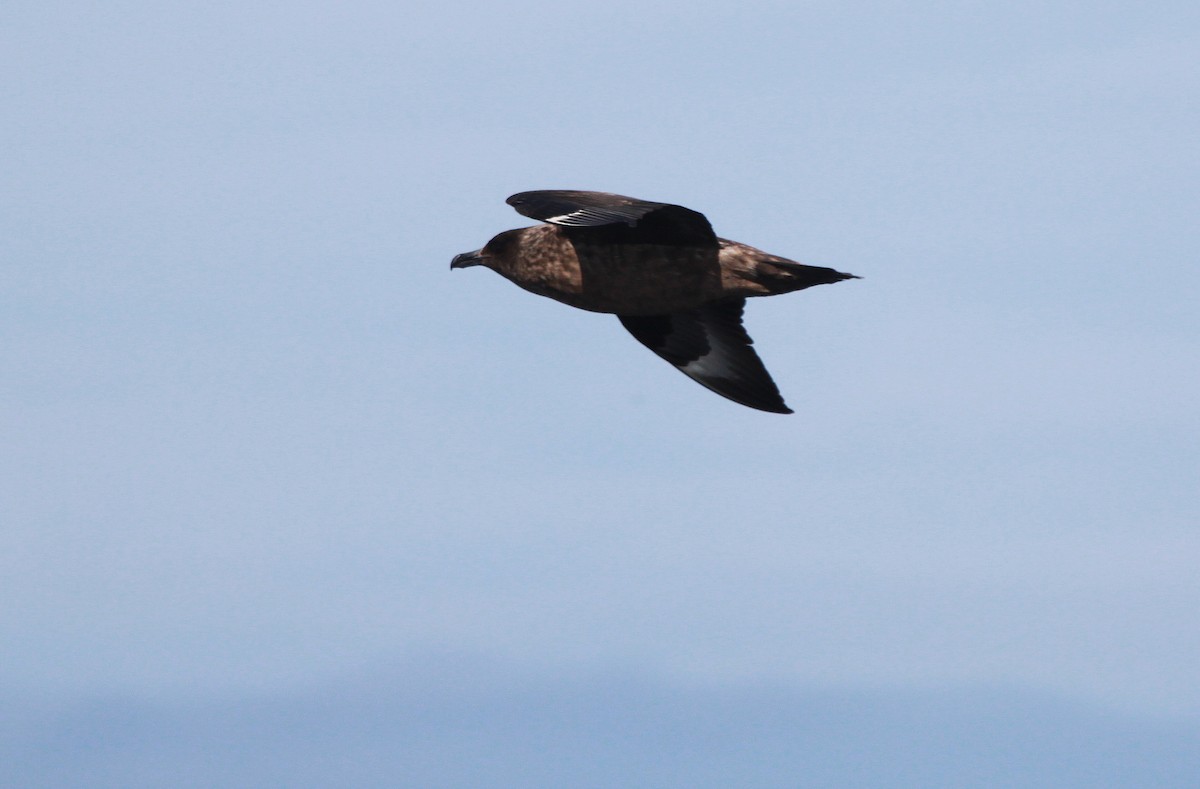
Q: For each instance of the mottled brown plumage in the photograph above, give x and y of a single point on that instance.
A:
(660, 268)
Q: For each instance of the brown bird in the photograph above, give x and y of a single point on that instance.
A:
(661, 270)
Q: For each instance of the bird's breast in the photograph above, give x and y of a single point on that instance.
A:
(621, 278)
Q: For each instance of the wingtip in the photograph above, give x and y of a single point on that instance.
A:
(781, 408)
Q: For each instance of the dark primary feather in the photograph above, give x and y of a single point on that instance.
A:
(572, 208)
(626, 219)
(709, 345)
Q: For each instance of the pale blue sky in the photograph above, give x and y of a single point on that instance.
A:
(260, 443)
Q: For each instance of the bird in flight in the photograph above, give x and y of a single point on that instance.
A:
(660, 268)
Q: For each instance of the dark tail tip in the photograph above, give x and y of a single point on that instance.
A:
(797, 276)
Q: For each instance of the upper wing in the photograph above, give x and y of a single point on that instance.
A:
(710, 346)
(642, 221)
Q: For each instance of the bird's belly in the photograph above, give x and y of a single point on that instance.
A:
(641, 279)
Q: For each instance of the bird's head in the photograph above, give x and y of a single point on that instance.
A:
(494, 254)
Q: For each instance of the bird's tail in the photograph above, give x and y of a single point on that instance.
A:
(783, 276)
